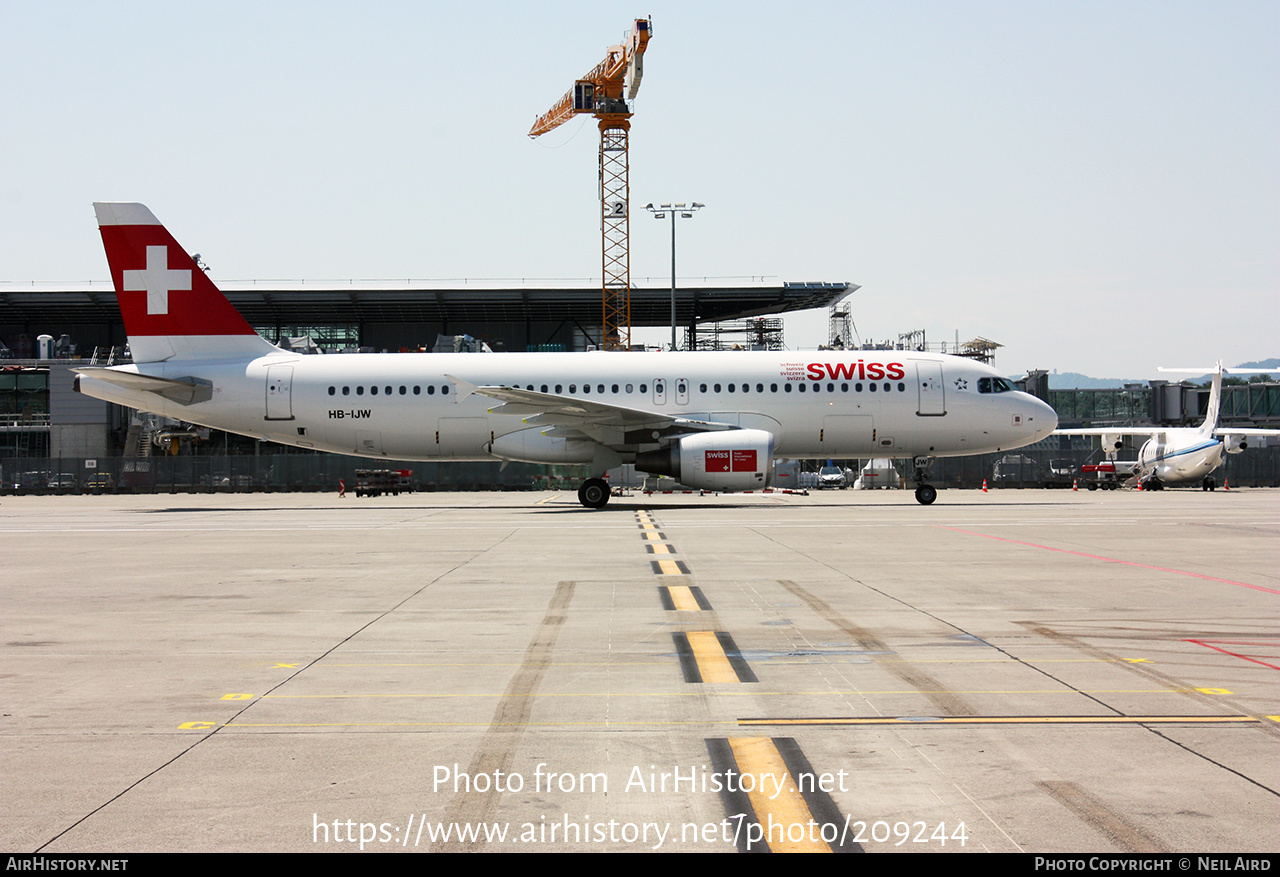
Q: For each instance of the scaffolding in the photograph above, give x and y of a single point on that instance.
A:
(759, 333)
(981, 349)
(841, 334)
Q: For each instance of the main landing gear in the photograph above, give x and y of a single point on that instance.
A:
(594, 493)
(925, 493)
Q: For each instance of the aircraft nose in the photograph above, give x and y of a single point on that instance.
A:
(1044, 420)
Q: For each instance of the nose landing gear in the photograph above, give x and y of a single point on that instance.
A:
(925, 493)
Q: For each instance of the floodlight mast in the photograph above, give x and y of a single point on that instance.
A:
(604, 92)
(685, 211)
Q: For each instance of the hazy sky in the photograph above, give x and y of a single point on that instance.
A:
(1095, 185)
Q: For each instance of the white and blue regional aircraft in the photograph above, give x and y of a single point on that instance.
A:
(1180, 455)
(710, 420)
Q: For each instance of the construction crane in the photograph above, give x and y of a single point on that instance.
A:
(604, 93)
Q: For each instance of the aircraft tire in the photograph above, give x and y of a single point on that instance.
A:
(926, 494)
(594, 493)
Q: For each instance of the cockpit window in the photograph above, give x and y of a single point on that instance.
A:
(995, 385)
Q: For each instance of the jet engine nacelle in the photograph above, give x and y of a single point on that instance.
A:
(739, 459)
(1234, 443)
(1112, 442)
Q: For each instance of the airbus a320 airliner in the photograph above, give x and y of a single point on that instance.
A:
(710, 420)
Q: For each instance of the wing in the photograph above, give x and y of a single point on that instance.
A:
(1232, 430)
(1116, 430)
(615, 426)
(1154, 430)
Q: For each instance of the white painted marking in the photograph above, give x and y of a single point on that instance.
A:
(158, 280)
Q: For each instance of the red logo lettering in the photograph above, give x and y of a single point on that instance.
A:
(847, 371)
(731, 461)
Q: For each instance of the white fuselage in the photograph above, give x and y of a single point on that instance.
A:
(408, 406)
(1181, 455)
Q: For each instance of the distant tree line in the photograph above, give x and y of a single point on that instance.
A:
(1239, 382)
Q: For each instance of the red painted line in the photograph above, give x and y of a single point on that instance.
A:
(1232, 654)
(1180, 572)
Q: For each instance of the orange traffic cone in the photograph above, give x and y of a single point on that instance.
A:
(1074, 485)
(984, 485)
(1226, 483)
(1139, 484)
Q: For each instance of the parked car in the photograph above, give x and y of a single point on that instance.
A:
(100, 481)
(832, 476)
(1016, 468)
(32, 480)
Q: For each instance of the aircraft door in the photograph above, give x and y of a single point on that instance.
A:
(659, 391)
(933, 400)
(1152, 451)
(279, 392)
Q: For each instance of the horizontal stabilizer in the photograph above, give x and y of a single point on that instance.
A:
(184, 391)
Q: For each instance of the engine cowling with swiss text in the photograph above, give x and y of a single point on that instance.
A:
(740, 459)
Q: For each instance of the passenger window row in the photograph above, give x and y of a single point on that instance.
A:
(587, 389)
(600, 389)
(808, 386)
(388, 390)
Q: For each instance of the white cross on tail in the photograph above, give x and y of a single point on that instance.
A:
(158, 280)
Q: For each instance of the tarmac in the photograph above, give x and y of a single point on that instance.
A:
(1015, 671)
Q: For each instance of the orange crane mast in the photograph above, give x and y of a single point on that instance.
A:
(604, 93)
